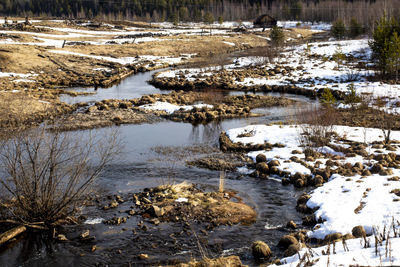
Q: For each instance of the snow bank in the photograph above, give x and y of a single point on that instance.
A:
(319, 26)
(342, 202)
(171, 108)
(353, 255)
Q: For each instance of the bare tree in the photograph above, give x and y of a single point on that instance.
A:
(386, 125)
(45, 176)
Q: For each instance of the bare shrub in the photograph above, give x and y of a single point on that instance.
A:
(45, 176)
(264, 54)
(386, 125)
(316, 127)
(352, 75)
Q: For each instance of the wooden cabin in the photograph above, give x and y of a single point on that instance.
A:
(265, 21)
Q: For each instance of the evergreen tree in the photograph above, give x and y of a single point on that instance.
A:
(183, 13)
(208, 18)
(277, 36)
(220, 20)
(355, 28)
(338, 29)
(394, 54)
(384, 43)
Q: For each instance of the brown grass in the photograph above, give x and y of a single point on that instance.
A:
(21, 109)
(25, 58)
(174, 46)
(231, 261)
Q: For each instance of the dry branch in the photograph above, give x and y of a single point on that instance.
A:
(10, 234)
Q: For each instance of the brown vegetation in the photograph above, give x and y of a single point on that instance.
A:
(21, 110)
(46, 175)
(230, 261)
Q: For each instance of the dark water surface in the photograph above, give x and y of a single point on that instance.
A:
(140, 167)
(131, 87)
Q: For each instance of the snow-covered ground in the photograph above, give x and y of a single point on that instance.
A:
(17, 75)
(171, 108)
(316, 26)
(342, 202)
(313, 68)
(353, 253)
(157, 60)
(112, 36)
(338, 198)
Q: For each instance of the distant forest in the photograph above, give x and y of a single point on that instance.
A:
(364, 11)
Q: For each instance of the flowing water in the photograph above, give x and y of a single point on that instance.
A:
(141, 167)
(122, 90)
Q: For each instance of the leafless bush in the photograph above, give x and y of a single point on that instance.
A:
(45, 176)
(316, 127)
(352, 75)
(386, 125)
(265, 54)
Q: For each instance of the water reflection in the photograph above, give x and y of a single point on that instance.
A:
(207, 134)
(132, 87)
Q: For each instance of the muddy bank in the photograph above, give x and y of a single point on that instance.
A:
(233, 80)
(78, 76)
(102, 118)
(115, 112)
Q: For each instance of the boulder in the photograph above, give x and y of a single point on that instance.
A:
(261, 158)
(291, 225)
(261, 250)
(303, 198)
(377, 168)
(287, 240)
(299, 183)
(262, 167)
(358, 231)
(292, 250)
(273, 162)
(156, 211)
(332, 237)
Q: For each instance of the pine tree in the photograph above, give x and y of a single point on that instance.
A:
(338, 29)
(208, 18)
(394, 54)
(355, 28)
(220, 20)
(277, 36)
(384, 44)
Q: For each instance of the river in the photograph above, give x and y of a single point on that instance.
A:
(141, 166)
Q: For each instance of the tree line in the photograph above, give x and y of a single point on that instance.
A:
(195, 10)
